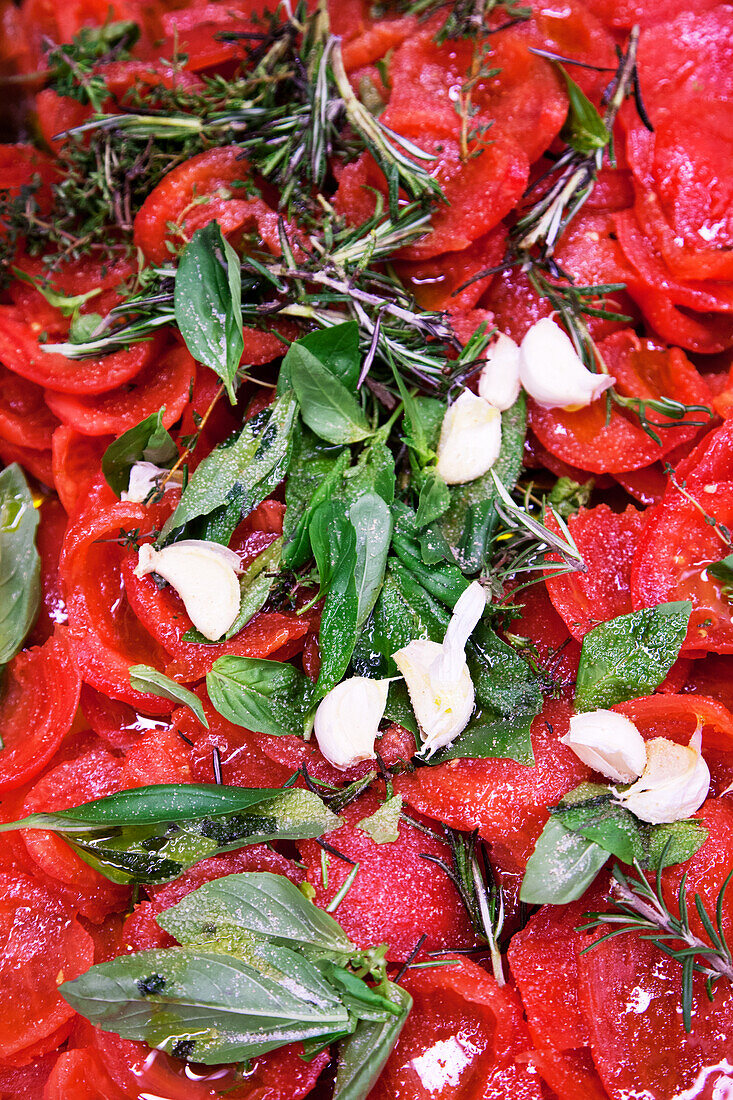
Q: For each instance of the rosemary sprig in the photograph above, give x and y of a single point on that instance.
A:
(464, 18)
(640, 907)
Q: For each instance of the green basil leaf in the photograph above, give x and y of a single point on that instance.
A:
(444, 582)
(20, 564)
(372, 521)
(672, 843)
(363, 1055)
(423, 421)
(263, 696)
(374, 471)
(327, 406)
(561, 867)
(631, 655)
(146, 679)
(241, 473)
(208, 303)
(434, 498)
(204, 1006)
(333, 539)
(148, 441)
(383, 826)
(337, 348)
(259, 903)
(584, 129)
(315, 475)
(84, 327)
(723, 571)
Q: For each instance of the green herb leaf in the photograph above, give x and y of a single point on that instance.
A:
(146, 679)
(584, 129)
(372, 521)
(631, 655)
(263, 696)
(383, 826)
(84, 327)
(337, 348)
(333, 539)
(561, 867)
(148, 441)
(568, 496)
(723, 571)
(363, 1055)
(423, 420)
(238, 475)
(327, 406)
(374, 471)
(315, 475)
(20, 564)
(153, 834)
(434, 498)
(208, 303)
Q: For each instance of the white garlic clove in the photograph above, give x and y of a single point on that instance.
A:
(442, 708)
(347, 720)
(470, 439)
(467, 612)
(673, 785)
(553, 373)
(145, 477)
(499, 380)
(609, 743)
(204, 574)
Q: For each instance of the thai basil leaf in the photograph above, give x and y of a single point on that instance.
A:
(153, 834)
(148, 441)
(561, 867)
(315, 475)
(207, 299)
(434, 498)
(631, 655)
(205, 1006)
(259, 903)
(327, 406)
(146, 679)
(333, 539)
(238, 475)
(372, 521)
(584, 129)
(20, 564)
(255, 585)
(263, 696)
(444, 582)
(362, 1056)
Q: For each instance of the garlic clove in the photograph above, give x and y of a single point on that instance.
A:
(553, 373)
(467, 612)
(145, 477)
(204, 574)
(470, 439)
(499, 380)
(442, 708)
(673, 785)
(347, 720)
(609, 743)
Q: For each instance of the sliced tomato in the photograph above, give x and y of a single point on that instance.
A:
(396, 895)
(37, 463)
(76, 461)
(199, 33)
(507, 802)
(49, 539)
(40, 697)
(115, 722)
(160, 756)
(569, 1073)
(647, 485)
(395, 744)
(708, 869)
(374, 42)
(607, 540)
(80, 1075)
(21, 165)
(712, 676)
(623, 14)
(40, 940)
(435, 282)
(555, 650)
(25, 418)
(26, 1082)
(460, 1040)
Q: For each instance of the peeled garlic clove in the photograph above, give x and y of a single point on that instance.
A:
(470, 439)
(499, 380)
(673, 785)
(469, 608)
(347, 720)
(443, 707)
(204, 574)
(553, 373)
(145, 477)
(609, 743)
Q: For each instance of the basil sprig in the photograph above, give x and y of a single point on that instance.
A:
(152, 834)
(148, 441)
(259, 966)
(20, 564)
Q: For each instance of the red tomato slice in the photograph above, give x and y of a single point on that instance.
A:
(40, 940)
(420, 898)
(435, 282)
(712, 676)
(26, 1082)
(49, 539)
(117, 723)
(25, 418)
(570, 1074)
(293, 752)
(374, 42)
(557, 653)
(40, 697)
(80, 1075)
(76, 462)
(708, 869)
(607, 540)
(507, 802)
(197, 32)
(160, 756)
(646, 485)
(459, 1041)
(20, 165)
(37, 463)
(164, 383)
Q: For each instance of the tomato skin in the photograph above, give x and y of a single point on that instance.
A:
(435, 282)
(49, 540)
(76, 461)
(25, 419)
(40, 698)
(80, 1075)
(570, 1074)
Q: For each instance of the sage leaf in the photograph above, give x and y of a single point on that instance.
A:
(263, 696)
(561, 867)
(147, 679)
(722, 571)
(363, 1055)
(239, 474)
(383, 826)
(148, 441)
(20, 563)
(372, 521)
(207, 299)
(327, 406)
(631, 655)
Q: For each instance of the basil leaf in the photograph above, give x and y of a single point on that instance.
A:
(260, 903)
(383, 826)
(584, 129)
(363, 1055)
(315, 474)
(337, 348)
(434, 498)
(372, 521)
(561, 867)
(631, 655)
(84, 327)
(723, 571)
(20, 564)
(444, 582)
(675, 842)
(333, 539)
(423, 420)
(240, 474)
(263, 696)
(146, 679)
(207, 299)
(374, 471)
(327, 406)
(204, 1006)
(148, 441)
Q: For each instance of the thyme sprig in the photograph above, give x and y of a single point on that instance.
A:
(639, 907)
